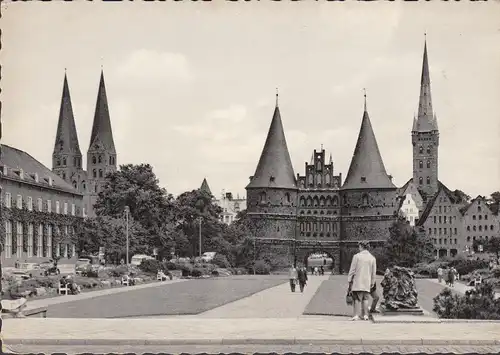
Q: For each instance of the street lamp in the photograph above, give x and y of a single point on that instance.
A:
(127, 211)
(199, 232)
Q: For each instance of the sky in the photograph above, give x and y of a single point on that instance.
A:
(191, 86)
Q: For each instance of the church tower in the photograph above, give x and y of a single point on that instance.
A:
(368, 196)
(67, 157)
(272, 191)
(101, 156)
(425, 138)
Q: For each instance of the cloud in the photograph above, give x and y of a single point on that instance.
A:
(152, 65)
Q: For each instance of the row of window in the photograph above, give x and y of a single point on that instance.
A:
(479, 238)
(439, 231)
(44, 247)
(421, 180)
(421, 149)
(263, 197)
(318, 227)
(320, 212)
(480, 217)
(445, 241)
(99, 159)
(421, 164)
(480, 228)
(29, 204)
(322, 201)
(444, 219)
(77, 162)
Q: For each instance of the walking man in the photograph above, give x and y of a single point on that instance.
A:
(292, 275)
(440, 274)
(302, 277)
(361, 279)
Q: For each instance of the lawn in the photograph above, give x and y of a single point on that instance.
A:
(184, 298)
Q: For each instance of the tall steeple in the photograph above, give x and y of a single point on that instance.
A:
(66, 136)
(425, 118)
(66, 156)
(274, 169)
(367, 170)
(204, 186)
(102, 133)
(425, 137)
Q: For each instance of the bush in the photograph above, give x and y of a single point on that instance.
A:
(429, 269)
(197, 272)
(262, 268)
(495, 272)
(118, 271)
(215, 273)
(186, 269)
(221, 261)
(478, 303)
(169, 265)
(465, 266)
(150, 266)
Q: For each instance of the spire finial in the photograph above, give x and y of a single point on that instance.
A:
(65, 69)
(321, 146)
(364, 91)
(102, 65)
(277, 95)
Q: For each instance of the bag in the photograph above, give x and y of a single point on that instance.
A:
(374, 288)
(348, 298)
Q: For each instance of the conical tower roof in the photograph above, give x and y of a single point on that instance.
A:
(204, 186)
(275, 166)
(367, 170)
(66, 136)
(101, 128)
(425, 118)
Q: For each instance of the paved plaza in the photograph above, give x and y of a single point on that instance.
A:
(237, 311)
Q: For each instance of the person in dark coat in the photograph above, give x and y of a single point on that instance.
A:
(302, 277)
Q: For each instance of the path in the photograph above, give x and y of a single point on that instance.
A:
(275, 302)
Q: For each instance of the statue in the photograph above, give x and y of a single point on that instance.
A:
(399, 289)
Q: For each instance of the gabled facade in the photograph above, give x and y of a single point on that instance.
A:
(231, 206)
(479, 222)
(411, 202)
(101, 155)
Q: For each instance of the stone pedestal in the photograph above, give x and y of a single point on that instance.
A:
(418, 311)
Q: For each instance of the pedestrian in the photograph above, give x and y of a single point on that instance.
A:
(440, 274)
(361, 279)
(375, 298)
(316, 271)
(292, 275)
(322, 270)
(302, 277)
(451, 277)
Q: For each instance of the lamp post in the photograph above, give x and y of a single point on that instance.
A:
(254, 254)
(199, 232)
(127, 211)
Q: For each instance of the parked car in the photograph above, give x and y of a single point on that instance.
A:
(49, 268)
(139, 258)
(208, 256)
(19, 275)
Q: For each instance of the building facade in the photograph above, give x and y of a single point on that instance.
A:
(67, 161)
(480, 223)
(40, 211)
(410, 209)
(231, 206)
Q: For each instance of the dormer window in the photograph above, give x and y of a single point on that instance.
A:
(271, 179)
(363, 179)
(420, 149)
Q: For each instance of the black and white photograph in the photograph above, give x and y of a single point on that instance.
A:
(250, 176)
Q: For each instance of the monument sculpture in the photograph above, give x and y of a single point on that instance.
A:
(400, 292)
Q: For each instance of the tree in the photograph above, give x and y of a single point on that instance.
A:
(493, 246)
(137, 187)
(405, 247)
(110, 233)
(494, 202)
(461, 197)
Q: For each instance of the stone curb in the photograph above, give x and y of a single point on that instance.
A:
(290, 341)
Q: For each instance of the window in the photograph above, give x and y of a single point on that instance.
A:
(40, 205)
(19, 202)
(58, 250)
(83, 212)
(455, 231)
(66, 250)
(420, 149)
(420, 164)
(57, 207)
(49, 206)
(444, 219)
(84, 185)
(480, 228)
(8, 200)
(73, 250)
(428, 149)
(430, 231)
(480, 217)
(8, 239)
(479, 208)
(94, 160)
(29, 203)
(64, 176)
(100, 159)
(39, 245)
(100, 173)
(287, 195)
(94, 173)
(474, 228)
(73, 209)
(440, 220)
(428, 180)
(30, 240)
(65, 208)
(435, 219)
(75, 185)
(19, 237)
(420, 180)
(474, 217)
(468, 238)
(491, 227)
(64, 161)
(455, 240)
(428, 163)
(48, 252)
(485, 217)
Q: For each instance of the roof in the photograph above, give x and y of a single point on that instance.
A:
(16, 159)
(66, 136)
(204, 186)
(426, 121)
(367, 170)
(465, 208)
(275, 168)
(101, 128)
(430, 203)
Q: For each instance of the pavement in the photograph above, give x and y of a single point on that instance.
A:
(272, 317)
